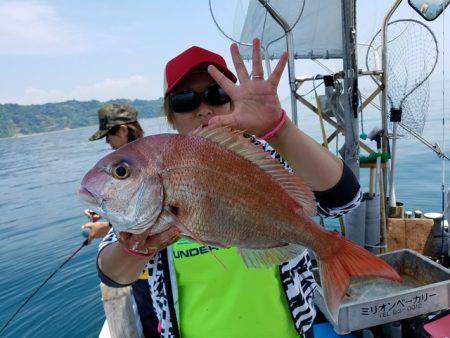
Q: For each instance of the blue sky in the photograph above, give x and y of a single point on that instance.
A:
(53, 51)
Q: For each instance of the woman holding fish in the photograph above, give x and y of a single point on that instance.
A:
(229, 200)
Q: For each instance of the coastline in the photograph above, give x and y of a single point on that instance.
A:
(19, 135)
(94, 126)
(29, 120)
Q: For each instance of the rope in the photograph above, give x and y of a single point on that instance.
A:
(319, 112)
(42, 284)
(362, 116)
(312, 90)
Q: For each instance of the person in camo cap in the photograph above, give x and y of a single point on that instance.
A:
(118, 123)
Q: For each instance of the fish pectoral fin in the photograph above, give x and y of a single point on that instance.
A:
(255, 258)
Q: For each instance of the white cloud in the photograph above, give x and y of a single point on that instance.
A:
(136, 86)
(133, 87)
(38, 96)
(33, 28)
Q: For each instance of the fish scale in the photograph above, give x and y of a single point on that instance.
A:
(231, 201)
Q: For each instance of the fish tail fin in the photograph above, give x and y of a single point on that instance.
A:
(349, 260)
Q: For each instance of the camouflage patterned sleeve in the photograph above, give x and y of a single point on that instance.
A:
(345, 196)
(108, 239)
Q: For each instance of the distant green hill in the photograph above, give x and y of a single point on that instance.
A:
(17, 119)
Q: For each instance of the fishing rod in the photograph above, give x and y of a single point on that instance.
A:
(85, 243)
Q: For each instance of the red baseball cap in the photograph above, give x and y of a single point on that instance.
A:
(192, 59)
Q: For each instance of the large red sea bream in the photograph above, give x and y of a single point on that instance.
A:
(219, 189)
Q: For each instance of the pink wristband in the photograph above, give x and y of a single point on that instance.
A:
(136, 253)
(276, 129)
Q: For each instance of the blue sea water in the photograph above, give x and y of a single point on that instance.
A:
(40, 219)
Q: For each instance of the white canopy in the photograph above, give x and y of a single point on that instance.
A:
(318, 33)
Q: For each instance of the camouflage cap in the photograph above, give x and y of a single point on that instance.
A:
(113, 115)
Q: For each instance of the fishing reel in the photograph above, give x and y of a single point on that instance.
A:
(90, 214)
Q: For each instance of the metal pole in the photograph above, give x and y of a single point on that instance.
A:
(267, 61)
(290, 48)
(392, 198)
(385, 85)
(351, 100)
(350, 93)
(434, 147)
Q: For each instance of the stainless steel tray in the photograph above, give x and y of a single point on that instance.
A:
(370, 302)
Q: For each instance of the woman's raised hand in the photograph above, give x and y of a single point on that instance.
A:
(256, 107)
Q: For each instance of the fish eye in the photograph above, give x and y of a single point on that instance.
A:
(121, 171)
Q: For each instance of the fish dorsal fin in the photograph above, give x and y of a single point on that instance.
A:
(235, 141)
(256, 258)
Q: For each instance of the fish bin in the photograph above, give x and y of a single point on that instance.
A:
(375, 301)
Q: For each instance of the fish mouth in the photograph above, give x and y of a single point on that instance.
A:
(88, 198)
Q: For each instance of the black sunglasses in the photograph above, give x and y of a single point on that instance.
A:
(187, 101)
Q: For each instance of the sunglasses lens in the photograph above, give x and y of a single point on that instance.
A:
(216, 96)
(184, 102)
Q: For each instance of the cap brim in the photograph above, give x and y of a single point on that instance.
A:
(98, 135)
(203, 65)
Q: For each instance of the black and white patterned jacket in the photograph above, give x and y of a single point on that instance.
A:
(296, 276)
